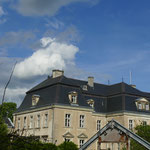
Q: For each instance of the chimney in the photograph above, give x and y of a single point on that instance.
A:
(57, 73)
(91, 81)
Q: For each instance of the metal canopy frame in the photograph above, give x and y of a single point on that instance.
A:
(115, 125)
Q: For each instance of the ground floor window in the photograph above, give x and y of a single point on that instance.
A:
(67, 140)
(81, 142)
(144, 123)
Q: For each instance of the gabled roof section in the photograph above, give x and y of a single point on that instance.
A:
(115, 128)
(142, 99)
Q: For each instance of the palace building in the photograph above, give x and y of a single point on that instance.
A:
(66, 109)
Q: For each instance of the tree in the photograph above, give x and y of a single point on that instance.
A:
(67, 146)
(4, 139)
(144, 132)
(7, 109)
(49, 146)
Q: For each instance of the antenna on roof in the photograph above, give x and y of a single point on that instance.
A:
(130, 78)
(122, 79)
(108, 82)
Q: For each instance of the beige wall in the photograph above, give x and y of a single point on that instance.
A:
(56, 122)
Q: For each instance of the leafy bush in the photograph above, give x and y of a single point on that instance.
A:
(67, 146)
(144, 132)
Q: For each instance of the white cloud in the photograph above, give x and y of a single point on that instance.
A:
(55, 23)
(18, 37)
(1, 11)
(44, 7)
(14, 95)
(52, 55)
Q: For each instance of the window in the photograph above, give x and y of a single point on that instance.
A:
(31, 121)
(25, 123)
(45, 137)
(130, 124)
(147, 106)
(74, 99)
(91, 102)
(38, 121)
(35, 99)
(142, 104)
(67, 140)
(84, 87)
(81, 121)
(98, 125)
(67, 120)
(81, 142)
(18, 123)
(139, 105)
(144, 123)
(46, 120)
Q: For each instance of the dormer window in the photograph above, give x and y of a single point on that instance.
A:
(142, 104)
(147, 106)
(35, 99)
(84, 87)
(139, 106)
(73, 97)
(91, 102)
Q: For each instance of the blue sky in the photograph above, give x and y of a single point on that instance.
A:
(102, 38)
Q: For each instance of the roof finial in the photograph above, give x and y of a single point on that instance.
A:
(130, 77)
(108, 82)
(122, 79)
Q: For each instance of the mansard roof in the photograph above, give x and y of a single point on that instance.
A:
(107, 98)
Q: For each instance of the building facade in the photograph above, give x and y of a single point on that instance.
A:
(65, 109)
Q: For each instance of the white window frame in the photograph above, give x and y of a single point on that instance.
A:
(98, 125)
(81, 142)
(25, 122)
(18, 123)
(131, 124)
(82, 121)
(31, 121)
(38, 121)
(46, 120)
(139, 106)
(74, 99)
(67, 120)
(147, 107)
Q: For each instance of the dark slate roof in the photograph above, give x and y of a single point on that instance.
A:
(107, 98)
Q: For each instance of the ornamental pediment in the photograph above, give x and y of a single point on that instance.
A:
(68, 135)
(82, 136)
(142, 99)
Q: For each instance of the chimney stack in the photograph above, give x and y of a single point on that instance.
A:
(91, 81)
(57, 73)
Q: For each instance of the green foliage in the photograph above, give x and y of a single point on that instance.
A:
(7, 109)
(4, 139)
(49, 146)
(67, 146)
(144, 132)
(13, 141)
